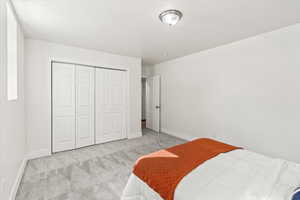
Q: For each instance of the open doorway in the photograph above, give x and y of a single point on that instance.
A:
(151, 103)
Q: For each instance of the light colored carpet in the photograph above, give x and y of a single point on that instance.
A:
(98, 172)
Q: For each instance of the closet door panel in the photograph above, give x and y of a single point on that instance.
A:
(63, 107)
(85, 97)
(110, 105)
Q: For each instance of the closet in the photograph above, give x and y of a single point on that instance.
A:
(89, 105)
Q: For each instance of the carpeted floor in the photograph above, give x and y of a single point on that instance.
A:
(98, 172)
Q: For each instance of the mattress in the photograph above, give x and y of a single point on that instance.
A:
(236, 175)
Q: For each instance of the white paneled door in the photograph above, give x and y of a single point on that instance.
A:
(153, 103)
(85, 104)
(63, 107)
(111, 101)
(89, 105)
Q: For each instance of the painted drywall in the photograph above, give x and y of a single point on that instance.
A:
(246, 93)
(38, 87)
(12, 128)
(147, 70)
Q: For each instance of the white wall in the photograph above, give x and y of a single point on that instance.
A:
(38, 87)
(147, 70)
(12, 130)
(246, 93)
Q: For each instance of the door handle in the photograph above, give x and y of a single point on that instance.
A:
(157, 107)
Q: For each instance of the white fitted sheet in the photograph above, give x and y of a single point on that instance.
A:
(236, 175)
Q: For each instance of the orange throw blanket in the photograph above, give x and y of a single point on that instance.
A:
(163, 170)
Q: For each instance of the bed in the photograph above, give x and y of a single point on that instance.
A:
(235, 175)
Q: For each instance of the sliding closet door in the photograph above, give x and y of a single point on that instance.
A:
(111, 103)
(85, 98)
(63, 107)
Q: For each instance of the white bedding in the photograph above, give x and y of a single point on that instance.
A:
(236, 175)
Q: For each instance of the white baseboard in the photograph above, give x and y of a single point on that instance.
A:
(16, 184)
(31, 155)
(38, 154)
(176, 134)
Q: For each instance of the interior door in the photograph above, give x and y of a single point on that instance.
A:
(153, 103)
(63, 107)
(85, 100)
(111, 101)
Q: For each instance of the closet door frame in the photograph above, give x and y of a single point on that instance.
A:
(75, 62)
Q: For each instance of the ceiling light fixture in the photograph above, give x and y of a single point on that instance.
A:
(170, 17)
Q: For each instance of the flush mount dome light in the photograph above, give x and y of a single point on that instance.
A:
(170, 17)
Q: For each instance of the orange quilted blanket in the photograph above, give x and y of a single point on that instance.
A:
(163, 170)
